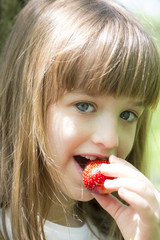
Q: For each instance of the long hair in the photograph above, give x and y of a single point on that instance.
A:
(57, 46)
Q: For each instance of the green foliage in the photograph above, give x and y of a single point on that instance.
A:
(8, 11)
(153, 152)
(152, 24)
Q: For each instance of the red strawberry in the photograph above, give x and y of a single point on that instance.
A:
(93, 179)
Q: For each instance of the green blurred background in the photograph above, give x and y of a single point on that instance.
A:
(148, 12)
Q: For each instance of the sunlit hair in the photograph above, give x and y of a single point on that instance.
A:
(54, 47)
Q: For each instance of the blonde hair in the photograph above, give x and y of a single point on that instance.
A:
(54, 46)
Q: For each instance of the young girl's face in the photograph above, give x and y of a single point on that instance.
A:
(81, 126)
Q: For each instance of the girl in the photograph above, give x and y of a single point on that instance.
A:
(78, 81)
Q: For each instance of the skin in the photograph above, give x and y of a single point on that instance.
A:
(102, 126)
(93, 129)
(141, 219)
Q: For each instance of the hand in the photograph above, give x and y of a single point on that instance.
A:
(141, 219)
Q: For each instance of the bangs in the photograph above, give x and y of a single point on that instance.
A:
(124, 64)
(117, 59)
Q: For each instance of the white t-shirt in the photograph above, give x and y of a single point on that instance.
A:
(58, 232)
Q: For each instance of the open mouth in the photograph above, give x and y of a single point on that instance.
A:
(82, 161)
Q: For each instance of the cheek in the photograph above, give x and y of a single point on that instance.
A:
(68, 129)
(127, 142)
(62, 133)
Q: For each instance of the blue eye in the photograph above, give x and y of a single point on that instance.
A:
(128, 116)
(85, 107)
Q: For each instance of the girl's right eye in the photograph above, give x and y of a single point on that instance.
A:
(85, 107)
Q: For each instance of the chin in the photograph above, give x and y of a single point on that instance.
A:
(84, 195)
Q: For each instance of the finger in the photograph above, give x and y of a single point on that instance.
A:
(111, 204)
(157, 194)
(140, 205)
(113, 159)
(124, 171)
(120, 170)
(139, 187)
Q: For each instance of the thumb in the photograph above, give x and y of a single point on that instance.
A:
(111, 204)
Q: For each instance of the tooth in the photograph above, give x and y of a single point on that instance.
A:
(92, 158)
(89, 157)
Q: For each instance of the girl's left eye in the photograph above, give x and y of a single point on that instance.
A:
(128, 116)
(85, 107)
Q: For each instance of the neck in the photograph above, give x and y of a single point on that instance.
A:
(66, 215)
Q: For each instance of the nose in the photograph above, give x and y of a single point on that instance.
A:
(105, 133)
